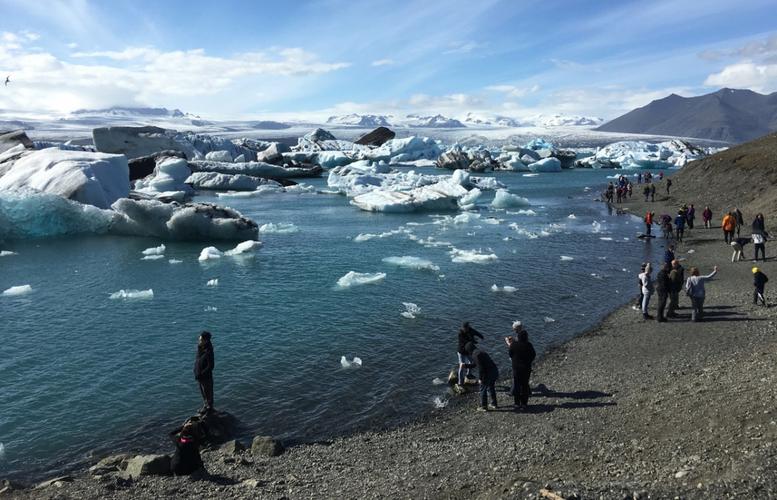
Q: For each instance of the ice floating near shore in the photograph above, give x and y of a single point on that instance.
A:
(133, 295)
(7, 253)
(440, 402)
(605, 238)
(2, 452)
(355, 363)
(505, 199)
(152, 257)
(213, 282)
(213, 253)
(409, 262)
(548, 319)
(372, 236)
(352, 278)
(437, 381)
(160, 250)
(530, 175)
(411, 310)
(280, 228)
(471, 256)
(571, 216)
(175, 261)
(210, 309)
(504, 289)
(566, 258)
(16, 291)
(210, 253)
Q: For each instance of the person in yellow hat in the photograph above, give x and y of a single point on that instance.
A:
(759, 282)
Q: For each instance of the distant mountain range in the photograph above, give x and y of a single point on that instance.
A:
(119, 111)
(470, 120)
(728, 115)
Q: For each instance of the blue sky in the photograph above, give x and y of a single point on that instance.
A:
(296, 59)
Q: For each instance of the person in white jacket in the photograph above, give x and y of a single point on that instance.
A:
(694, 287)
(646, 279)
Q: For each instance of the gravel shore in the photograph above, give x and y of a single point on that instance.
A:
(631, 409)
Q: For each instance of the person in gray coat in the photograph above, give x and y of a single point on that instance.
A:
(694, 287)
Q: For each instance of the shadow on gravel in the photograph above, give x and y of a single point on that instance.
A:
(544, 391)
(547, 408)
(220, 480)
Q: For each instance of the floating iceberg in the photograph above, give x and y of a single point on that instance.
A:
(371, 236)
(471, 256)
(505, 199)
(169, 179)
(355, 363)
(255, 169)
(210, 309)
(133, 295)
(175, 261)
(504, 289)
(210, 253)
(7, 253)
(152, 257)
(15, 291)
(160, 250)
(243, 248)
(411, 310)
(546, 165)
(229, 182)
(280, 228)
(438, 381)
(409, 262)
(548, 319)
(641, 154)
(353, 278)
(566, 258)
(2, 451)
(213, 282)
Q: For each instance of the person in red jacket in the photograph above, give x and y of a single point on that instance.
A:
(649, 222)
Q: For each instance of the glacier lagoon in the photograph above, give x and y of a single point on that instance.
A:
(85, 374)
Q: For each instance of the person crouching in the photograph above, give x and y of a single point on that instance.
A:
(488, 374)
(186, 459)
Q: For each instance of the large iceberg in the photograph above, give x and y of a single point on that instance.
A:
(91, 178)
(227, 182)
(168, 180)
(255, 169)
(546, 165)
(641, 154)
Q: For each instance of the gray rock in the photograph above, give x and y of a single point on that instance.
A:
(148, 465)
(233, 447)
(266, 446)
(320, 135)
(111, 464)
(567, 157)
(57, 481)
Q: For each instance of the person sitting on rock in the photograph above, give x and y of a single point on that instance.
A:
(467, 334)
(488, 374)
(186, 459)
(522, 355)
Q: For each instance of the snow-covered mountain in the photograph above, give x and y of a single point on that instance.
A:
(489, 120)
(357, 120)
(131, 112)
(558, 120)
(436, 121)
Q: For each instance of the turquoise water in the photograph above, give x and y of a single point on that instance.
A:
(84, 375)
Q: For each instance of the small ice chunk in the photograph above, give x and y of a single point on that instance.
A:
(213, 282)
(2, 451)
(243, 248)
(411, 310)
(438, 381)
(210, 253)
(152, 257)
(548, 319)
(409, 262)
(352, 278)
(506, 199)
(210, 309)
(355, 363)
(174, 261)
(571, 216)
(280, 228)
(7, 253)
(605, 238)
(567, 258)
(471, 256)
(160, 250)
(133, 294)
(503, 289)
(530, 175)
(691, 251)
(440, 402)
(17, 290)
(372, 236)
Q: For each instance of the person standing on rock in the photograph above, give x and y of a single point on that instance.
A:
(522, 355)
(204, 362)
(646, 280)
(467, 334)
(759, 235)
(759, 225)
(676, 282)
(739, 219)
(694, 287)
(728, 225)
(646, 191)
(663, 285)
(706, 217)
(638, 304)
(488, 374)
(759, 283)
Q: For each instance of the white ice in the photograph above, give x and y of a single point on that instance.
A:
(7, 253)
(567, 258)
(279, 228)
(411, 310)
(353, 278)
(355, 363)
(169, 176)
(243, 248)
(152, 257)
(571, 216)
(213, 282)
(471, 256)
(210, 253)
(505, 199)
(133, 294)
(505, 289)
(371, 236)
(410, 262)
(548, 319)
(17, 290)
(175, 261)
(438, 381)
(210, 309)
(546, 165)
(440, 402)
(160, 250)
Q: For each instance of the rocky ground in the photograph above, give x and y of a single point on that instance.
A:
(632, 409)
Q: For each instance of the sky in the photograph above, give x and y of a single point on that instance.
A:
(312, 59)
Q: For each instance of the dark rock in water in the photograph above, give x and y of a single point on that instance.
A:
(217, 427)
(145, 165)
(567, 157)
(266, 446)
(377, 137)
(233, 447)
(12, 139)
(148, 465)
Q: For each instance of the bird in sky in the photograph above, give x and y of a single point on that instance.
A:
(7, 80)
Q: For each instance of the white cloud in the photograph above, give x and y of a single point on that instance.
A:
(514, 91)
(764, 48)
(383, 62)
(463, 47)
(746, 75)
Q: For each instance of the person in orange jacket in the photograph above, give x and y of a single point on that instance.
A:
(729, 225)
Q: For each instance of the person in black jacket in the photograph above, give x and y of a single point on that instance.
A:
(522, 355)
(203, 370)
(676, 281)
(759, 282)
(467, 334)
(488, 374)
(663, 286)
(186, 458)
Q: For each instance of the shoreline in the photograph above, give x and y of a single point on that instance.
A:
(654, 389)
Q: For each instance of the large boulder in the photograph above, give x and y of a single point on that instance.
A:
(97, 179)
(14, 138)
(266, 446)
(145, 165)
(133, 142)
(377, 137)
(148, 465)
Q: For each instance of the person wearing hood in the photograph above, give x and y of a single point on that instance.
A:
(488, 374)
(467, 334)
(522, 355)
(663, 286)
(759, 282)
(694, 287)
(186, 459)
(204, 362)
